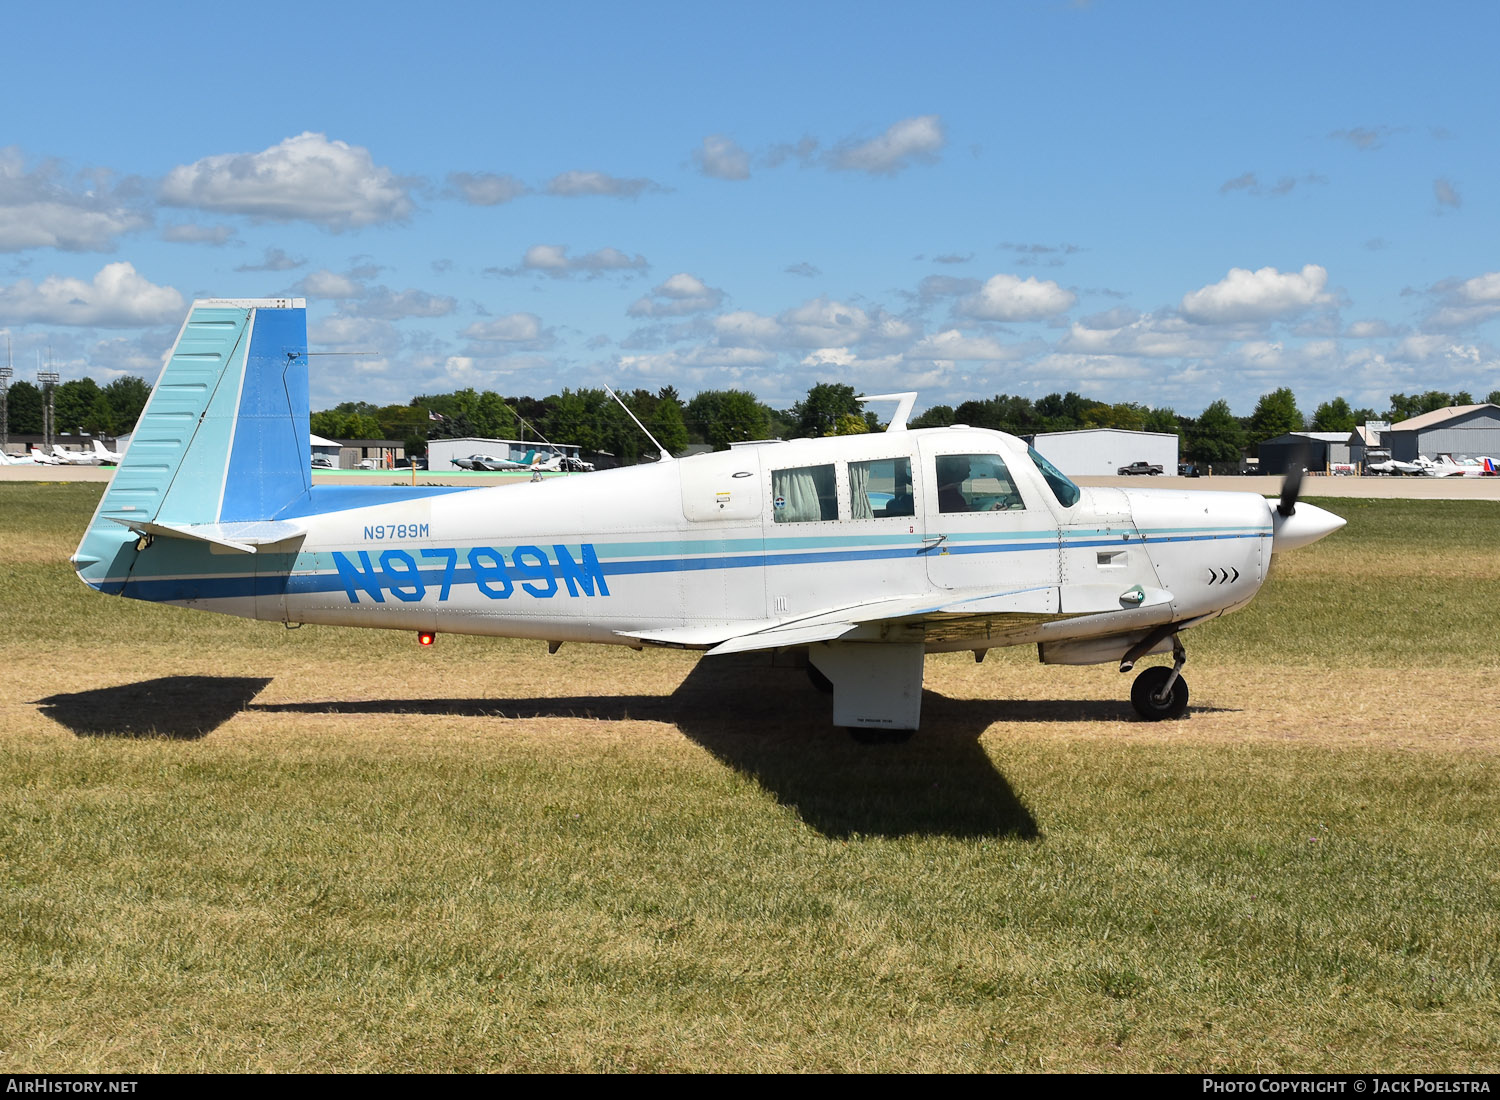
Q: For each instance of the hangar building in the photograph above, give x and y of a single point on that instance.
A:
(1461, 430)
(1100, 452)
(1318, 451)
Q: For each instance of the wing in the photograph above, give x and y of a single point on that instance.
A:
(986, 618)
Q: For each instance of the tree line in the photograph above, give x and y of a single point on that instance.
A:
(589, 418)
(79, 406)
(595, 422)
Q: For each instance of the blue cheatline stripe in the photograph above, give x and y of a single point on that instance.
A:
(224, 586)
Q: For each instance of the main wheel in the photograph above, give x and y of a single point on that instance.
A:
(1145, 695)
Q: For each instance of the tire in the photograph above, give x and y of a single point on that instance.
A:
(1148, 685)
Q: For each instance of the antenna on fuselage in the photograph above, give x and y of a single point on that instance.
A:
(665, 456)
(904, 403)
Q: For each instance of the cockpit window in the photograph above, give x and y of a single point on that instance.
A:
(1065, 491)
(976, 483)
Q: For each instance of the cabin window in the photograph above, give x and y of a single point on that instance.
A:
(880, 488)
(804, 494)
(976, 483)
(1065, 491)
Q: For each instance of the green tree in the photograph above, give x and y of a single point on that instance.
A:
(722, 417)
(849, 424)
(100, 417)
(1334, 416)
(666, 422)
(818, 413)
(24, 405)
(1493, 398)
(492, 416)
(127, 398)
(1406, 406)
(71, 402)
(939, 416)
(1276, 413)
(1060, 412)
(1216, 435)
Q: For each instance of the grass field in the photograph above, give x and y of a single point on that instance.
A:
(228, 846)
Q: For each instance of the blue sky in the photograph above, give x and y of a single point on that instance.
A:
(1163, 203)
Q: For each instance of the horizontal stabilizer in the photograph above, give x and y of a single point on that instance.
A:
(244, 537)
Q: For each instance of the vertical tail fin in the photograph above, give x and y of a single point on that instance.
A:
(223, 438)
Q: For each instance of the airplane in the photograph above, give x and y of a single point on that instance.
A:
(7, 459)
(852, 556)
(1447, 466)
(42, 458)
(1395, 467)
(74, 458)
(105, 455)
(480, 462)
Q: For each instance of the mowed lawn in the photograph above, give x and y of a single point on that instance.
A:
(229, 846)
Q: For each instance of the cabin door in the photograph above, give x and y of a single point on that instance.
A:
(985, 529)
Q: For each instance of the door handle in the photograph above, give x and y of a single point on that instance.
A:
(932, 542)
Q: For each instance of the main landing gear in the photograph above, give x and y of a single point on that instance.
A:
(1159, 692)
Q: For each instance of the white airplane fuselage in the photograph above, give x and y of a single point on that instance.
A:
(861, 553)
(695, 544)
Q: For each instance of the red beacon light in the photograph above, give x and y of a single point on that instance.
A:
(425, 637)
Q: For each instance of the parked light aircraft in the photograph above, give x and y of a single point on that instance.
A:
(492, 463)
(42, 458)
(74, 458)
(861, 553)
(1446, 465)
(105, 455)
(16, 460)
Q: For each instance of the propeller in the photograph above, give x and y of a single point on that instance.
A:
(1291, 484)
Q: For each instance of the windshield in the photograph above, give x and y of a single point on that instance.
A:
(1065, 491)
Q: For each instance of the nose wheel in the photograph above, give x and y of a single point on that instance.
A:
(1160, 693)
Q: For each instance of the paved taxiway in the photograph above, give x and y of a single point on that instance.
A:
(1394, 488)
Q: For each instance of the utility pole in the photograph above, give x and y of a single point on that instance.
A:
(5, 375)
(49, 380)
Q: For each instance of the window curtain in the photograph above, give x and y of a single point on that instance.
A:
(859, 491)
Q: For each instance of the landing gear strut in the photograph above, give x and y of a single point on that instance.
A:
(1160, 693)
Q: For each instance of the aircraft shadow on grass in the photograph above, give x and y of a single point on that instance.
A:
(766, 723)
(178, 708)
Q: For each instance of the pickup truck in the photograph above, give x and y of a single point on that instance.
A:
(1139, 468)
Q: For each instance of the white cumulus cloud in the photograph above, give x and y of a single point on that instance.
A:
(1468, 303)
(38, 209)
(912, 139)
(1263, 295)
(329, 284)
(554, 260)
(486, 188)
(584, 184)
(514, 328)
(1009, 298)
(117, 297)
(722, 158)
(678, 296)
(304, 178)
(953, 345)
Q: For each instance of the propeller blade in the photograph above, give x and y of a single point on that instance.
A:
(1291, 484)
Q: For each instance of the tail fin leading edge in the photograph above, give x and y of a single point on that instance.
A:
(224, 437)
